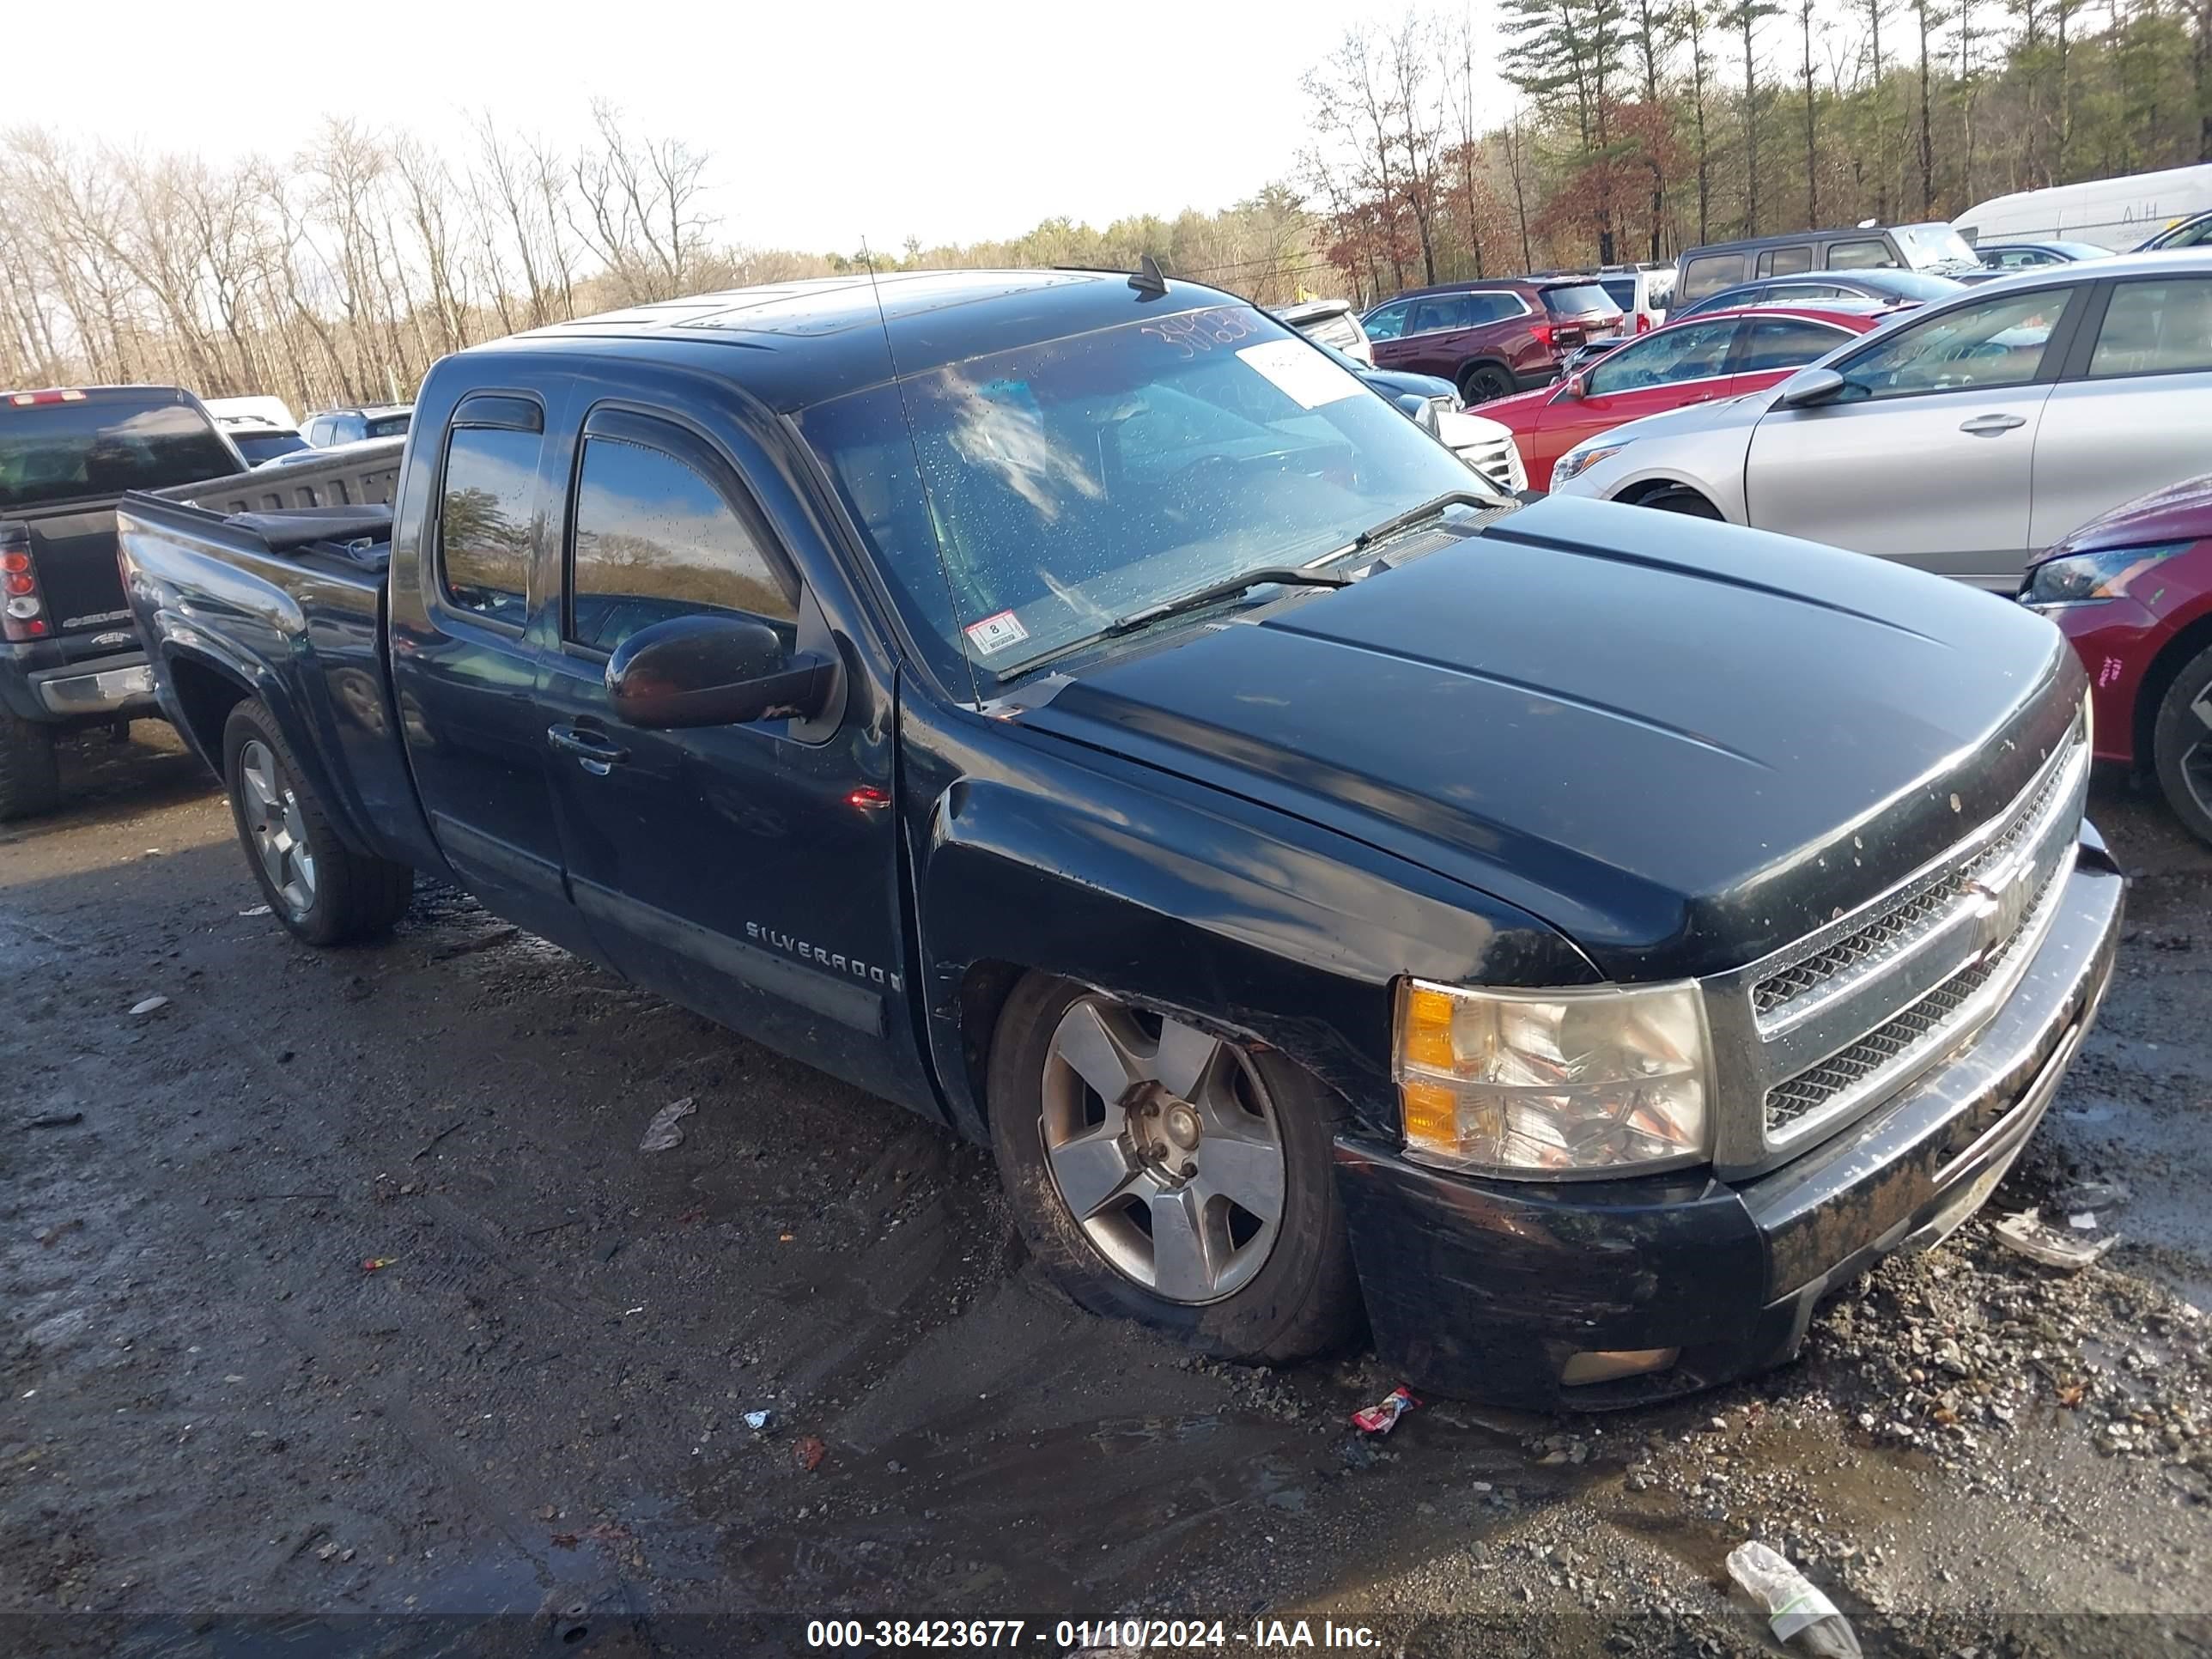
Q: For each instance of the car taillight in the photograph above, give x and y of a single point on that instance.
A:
(52, 394)
(22, 607)
(1543, 334)
(1643, 322)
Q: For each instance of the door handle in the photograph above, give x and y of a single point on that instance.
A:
(593, 752)
(1985, 425)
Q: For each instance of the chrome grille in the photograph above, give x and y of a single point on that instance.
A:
(1918, 910)
(1497, 460)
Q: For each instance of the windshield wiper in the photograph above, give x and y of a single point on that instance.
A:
(1227, 588)
(1414, 515)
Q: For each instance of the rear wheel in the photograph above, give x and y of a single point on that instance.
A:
(323, 891)
(1680, 498)
(1481, 382)
(1162, 1174)
(30, 778)
(2181, 745)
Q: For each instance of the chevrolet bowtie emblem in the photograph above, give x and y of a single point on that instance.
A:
(2001, 900)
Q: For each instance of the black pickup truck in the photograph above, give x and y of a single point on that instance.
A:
(1575, 940)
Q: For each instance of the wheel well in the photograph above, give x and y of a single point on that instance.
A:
(983, 993)
(1636, 495)
(2159, 677)
(205, 696)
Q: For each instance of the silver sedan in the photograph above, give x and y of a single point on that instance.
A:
(1964, 438)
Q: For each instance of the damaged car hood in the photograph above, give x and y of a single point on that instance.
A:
(1682, 744)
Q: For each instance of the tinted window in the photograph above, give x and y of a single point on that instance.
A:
(1386, 323)
(1621, 290)
(2018, 258)
(1710, 273)
(1998, 343)
(102, 447)
(260, 447)
(1773, 343)
(1803, 293)
(349, 429)
(1494, 308)
(1445, 311)
(2156, 328)
(1693, 352)
(388, 426)
(1582, 300)
(1870, 255)
(484, 520)
(653, 540)
(1786, 261)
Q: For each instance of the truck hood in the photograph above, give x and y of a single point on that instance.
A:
(1682, 744)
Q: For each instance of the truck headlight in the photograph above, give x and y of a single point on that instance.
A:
(1554, 1083)
(1575, 462)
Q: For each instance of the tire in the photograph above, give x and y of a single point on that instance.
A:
(2181, 745)
(1479, 383)
(321, 889)
(1679, 498)
(30, 777)
(1258, 1288)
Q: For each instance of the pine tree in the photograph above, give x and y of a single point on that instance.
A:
(1745, 16)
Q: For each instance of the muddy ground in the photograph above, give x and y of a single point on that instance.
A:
(223, 1434)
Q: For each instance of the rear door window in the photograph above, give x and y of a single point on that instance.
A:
(1773, 343)
(2155, 328)
(59, 452)
(1866, 254)
(1708, 273)
(1494, 308)
(654, 539)
(1445, 311)
(485, 531)
(1785, 261)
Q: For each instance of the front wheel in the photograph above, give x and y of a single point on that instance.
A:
(2181, 745)
(1162, 1174)
(322, 891)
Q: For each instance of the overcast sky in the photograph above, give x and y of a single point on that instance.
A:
(827, 121)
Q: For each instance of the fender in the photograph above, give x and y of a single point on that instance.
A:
(1040, 853)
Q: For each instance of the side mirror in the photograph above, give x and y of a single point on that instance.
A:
(1572, 389)
(1809, 388)
(714, 670)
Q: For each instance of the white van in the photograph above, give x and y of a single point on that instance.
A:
(2113, 213)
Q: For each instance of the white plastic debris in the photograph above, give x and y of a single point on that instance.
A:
(257, 910)
(2026, 1234)
(667, 1129)
(150, 1006)
(2085, 1222)
(1794, 1607)
(758, 1420)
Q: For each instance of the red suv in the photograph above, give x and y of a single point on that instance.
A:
(1492, 339)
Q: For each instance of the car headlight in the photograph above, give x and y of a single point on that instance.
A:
(2093, 578)
(1577, 461)
(1575, 1082)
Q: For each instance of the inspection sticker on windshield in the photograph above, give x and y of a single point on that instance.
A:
(1309, 378)
(996, 633)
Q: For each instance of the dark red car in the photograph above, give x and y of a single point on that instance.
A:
(1491, 338)
(2133, 590)
(1722, 353)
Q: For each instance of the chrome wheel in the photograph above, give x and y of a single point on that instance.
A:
(2196, 758)
(1164, 1146)
(272, 818)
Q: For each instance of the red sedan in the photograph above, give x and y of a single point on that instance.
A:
(1722, 353)
(2133, 592)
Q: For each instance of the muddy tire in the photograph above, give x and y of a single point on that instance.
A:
(1163, 1175)
(321, 889)
(30, 779)
(2181, 745)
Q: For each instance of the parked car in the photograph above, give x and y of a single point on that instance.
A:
(1489, 339)
(2133, 590)
(1722, 354)
(68, 656)
(1332, 323)
(1889, 290)
(2003, 258)
(1484, 444)
(1935, 248)
(257, 406)
(1965, 437)
(1641, 291)
(352, 426)
(2195, 232)
(259, 440)
(2110, 214)
(1199, 794)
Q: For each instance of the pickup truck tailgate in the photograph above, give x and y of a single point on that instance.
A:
(74, 553)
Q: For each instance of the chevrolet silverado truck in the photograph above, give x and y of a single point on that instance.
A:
(1571, 940)
(69, 658)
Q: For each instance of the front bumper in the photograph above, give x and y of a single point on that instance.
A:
(1486, 1288)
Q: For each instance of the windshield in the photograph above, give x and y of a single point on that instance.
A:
(389, 426)
(1064, 485)
(1933, 245)
(103, 445)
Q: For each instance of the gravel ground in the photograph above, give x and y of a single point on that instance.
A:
(223, 1422)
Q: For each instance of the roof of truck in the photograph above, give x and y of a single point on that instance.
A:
(793, 344)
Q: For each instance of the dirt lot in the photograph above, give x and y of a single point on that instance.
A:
(221, 1425)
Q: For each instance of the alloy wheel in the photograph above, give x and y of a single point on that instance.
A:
(1165, 1146)
(2196, 759)
(280, 834)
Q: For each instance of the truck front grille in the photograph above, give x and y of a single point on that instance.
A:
(1497, 460)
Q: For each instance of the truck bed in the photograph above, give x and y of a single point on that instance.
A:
(295, 597)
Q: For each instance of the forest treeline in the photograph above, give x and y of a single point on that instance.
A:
(1629, 129)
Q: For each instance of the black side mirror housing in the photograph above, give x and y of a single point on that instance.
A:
(1809, 388)
(714, 669)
